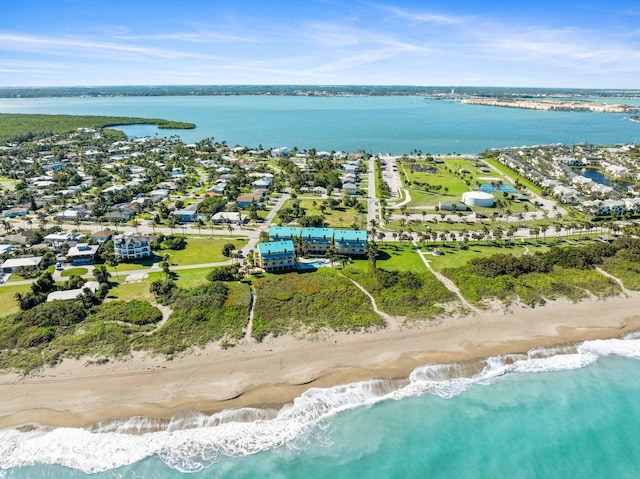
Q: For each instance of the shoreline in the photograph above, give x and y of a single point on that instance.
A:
(271, 374)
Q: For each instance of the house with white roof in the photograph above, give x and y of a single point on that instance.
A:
(71, 294)
(12, 264)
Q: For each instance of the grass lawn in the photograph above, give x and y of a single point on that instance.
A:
(190, 278)
(128, 291)
(453, 257)
(202, 250)
(186, 279)
(9, 304)
(341, 217)
(394, 256)
(74, 272)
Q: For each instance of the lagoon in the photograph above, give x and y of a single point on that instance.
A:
(387, 124)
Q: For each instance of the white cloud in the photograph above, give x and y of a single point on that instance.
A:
(71, 47)
(422, 17)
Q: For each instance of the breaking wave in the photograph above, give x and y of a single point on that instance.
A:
(191, 440)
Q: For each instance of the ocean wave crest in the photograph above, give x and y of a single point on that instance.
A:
(191, 440)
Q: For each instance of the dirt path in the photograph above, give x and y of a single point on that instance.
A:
(614, 278)
(446, 281)
(393, 322)
(249, 330)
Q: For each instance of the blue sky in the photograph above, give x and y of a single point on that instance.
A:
(586, 43)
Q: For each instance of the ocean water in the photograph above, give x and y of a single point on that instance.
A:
(376, 124)
(565, 412)
(571, 412)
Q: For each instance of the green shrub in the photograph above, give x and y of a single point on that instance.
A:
(134, 312)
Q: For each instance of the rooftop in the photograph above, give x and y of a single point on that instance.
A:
(275, 247)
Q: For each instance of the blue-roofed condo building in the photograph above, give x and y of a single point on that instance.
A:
(279, 233)
(350, 242)
(275, 255)
(316, 241)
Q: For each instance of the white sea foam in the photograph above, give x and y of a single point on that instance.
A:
(191, 440)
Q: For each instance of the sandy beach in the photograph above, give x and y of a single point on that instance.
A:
(273, 373)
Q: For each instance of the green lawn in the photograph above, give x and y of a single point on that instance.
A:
(203, 250)
(74, 272)
(128, 291)
(453, 257)
(9, 304)
(341, 217)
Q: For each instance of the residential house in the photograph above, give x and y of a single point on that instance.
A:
(121, 212)
(72, 214)
(70, 294)
(130, 246)
(350, 189)
(280, 152)
(82, 254)
(22, 237)
(232, 217)
(15, 212)
(350, 242)
(56, 240)
(262, 183)
(275, 255)
(12, 264)
(101, 237)
(113, 189)
(256, 196)
(158, 195)
(188, 214)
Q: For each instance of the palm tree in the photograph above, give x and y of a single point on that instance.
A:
(230, 228)
(372, 255)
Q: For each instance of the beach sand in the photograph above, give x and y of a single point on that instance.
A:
(273, 373)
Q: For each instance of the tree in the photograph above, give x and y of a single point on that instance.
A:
(163, 290)
(227, 249)
(264, 236)
(166, 268)
(101, 274)
(372, 255)
(113, 262)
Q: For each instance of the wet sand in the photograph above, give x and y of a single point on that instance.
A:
(273, 373)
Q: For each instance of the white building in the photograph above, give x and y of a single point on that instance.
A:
(130, 246)
(72, 293)
(12, 264)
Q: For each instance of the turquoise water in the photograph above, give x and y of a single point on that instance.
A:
(571, 412)
(550, 414)
(376, 124)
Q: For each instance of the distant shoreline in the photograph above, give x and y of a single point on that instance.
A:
(548, 105)
(434, 92)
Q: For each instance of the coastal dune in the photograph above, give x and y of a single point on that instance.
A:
(270, 374)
